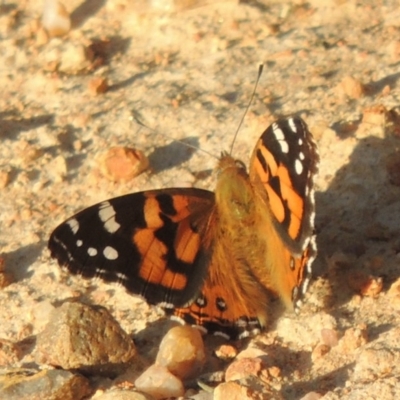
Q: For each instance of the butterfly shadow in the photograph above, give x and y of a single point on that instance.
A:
(17, 262)
(126, 82)
(375, 88)
(148, 342)
(11, 124)
(322, 384)
(103, 50)
(358, 221)
(173, 154)
(148, 339)
(284, 357)
(84, 11)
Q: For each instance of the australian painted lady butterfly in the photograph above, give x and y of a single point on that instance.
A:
(210, 259)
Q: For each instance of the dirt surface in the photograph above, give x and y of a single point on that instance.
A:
(188, 75)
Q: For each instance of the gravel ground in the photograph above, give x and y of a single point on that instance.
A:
(188, 75)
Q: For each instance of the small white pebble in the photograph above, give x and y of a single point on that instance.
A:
(55, 18)
(159, 382)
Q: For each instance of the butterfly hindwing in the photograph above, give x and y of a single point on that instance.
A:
(217, 309)
(150, 242)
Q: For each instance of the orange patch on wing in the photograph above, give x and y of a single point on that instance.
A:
(173, 280)
(210, 313)
(294, 227)
(269, 159)
(151, 213)
(295, 202)
(276, 204)
(262, 174)
(187, 243)
(153, 251)
(284, 178)
(293, 278)
(181, 205)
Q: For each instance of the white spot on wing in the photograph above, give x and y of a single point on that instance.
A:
(79, 243)
(280, 138)
(69, 255)
(244, 334)
(221, 334)
(107, 215)
(164, 304)
(292, 125)
(200, 302)
(92, 251)
(121, 276)
(110, 253)
(74, 225)
(298, 167)
(302, 156)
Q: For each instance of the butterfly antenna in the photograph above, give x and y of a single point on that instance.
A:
(260, 70)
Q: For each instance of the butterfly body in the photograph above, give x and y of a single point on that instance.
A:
(210, 259)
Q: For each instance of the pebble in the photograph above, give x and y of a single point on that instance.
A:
(6, 279)
(353, 338)
(374, 363)
(394, 294)
(210, 380)
(255, 390)
(330, 337)
(158, 382)
(312, 396)
(226, 352)
(123, 163)
(242, 368)
(195, 395)
(375, 115)
(373, 286)
(123, 395)
(55, 18)
(32, 384)
(351, 87)
(366, 285)
(57, 168)
(86, 338)
(98, 85)
(74, 59)
(4, 179)
(232, 391)
(252, 352)
(319, 351)
(182, 352)
(41, 314)
(393, 49)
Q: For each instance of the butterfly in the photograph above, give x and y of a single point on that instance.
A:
(211, 259)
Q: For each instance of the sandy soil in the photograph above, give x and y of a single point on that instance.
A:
(188, 75)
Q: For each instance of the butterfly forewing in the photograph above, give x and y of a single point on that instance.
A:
(283, 164)
(150, 242)
(285, 161)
